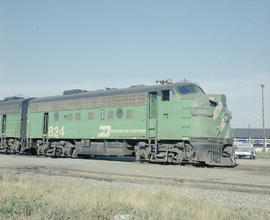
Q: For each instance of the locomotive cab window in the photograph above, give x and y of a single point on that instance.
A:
(165, 95)
(189, 89)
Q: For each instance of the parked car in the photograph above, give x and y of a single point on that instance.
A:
(244, 150)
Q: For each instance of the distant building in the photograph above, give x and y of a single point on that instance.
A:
(252, 135)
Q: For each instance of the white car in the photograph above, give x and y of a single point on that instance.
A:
(245, 150)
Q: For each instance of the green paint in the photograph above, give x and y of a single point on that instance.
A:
(84, 127)
(167, 115)
(163, 120)
(13, 125)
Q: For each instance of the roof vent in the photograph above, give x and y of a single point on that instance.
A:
(73, 91)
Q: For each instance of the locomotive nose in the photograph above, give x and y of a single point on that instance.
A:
(221, 115)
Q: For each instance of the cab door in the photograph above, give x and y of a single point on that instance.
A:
(3, 131)
(4, 124)
(152, 115)
(45, 125)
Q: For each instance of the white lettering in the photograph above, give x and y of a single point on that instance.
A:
(55, 132)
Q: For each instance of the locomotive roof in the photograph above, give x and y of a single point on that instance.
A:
(112, 92)
(8, 101)
(11, 101)
(12, 105)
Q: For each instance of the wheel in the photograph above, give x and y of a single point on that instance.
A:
(58, 152)
(74, 153)
(170, 157)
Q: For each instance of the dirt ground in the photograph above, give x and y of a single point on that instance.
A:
(253, 173)
(244, 186)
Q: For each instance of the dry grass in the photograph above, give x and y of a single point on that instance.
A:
(24, 197)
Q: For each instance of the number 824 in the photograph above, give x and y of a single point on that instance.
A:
(56, 132)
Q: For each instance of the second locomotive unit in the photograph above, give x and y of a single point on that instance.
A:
(171, 123)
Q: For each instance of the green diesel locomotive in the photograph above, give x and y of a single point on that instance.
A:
(170, 123)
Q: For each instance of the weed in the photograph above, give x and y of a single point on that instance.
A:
(27, 198)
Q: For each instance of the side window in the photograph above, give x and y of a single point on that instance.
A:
(78, 116)
(165, 95)
(90, 115)
(129, 113)
(110, 114)
(70, 116)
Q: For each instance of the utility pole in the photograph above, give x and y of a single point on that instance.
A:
(264, 144)
(249, 139)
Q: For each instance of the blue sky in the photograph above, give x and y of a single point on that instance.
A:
(47, 46)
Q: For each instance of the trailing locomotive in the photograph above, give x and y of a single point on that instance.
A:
(170, 123)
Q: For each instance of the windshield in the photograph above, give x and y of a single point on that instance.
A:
(188, 89)
(242, 149)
